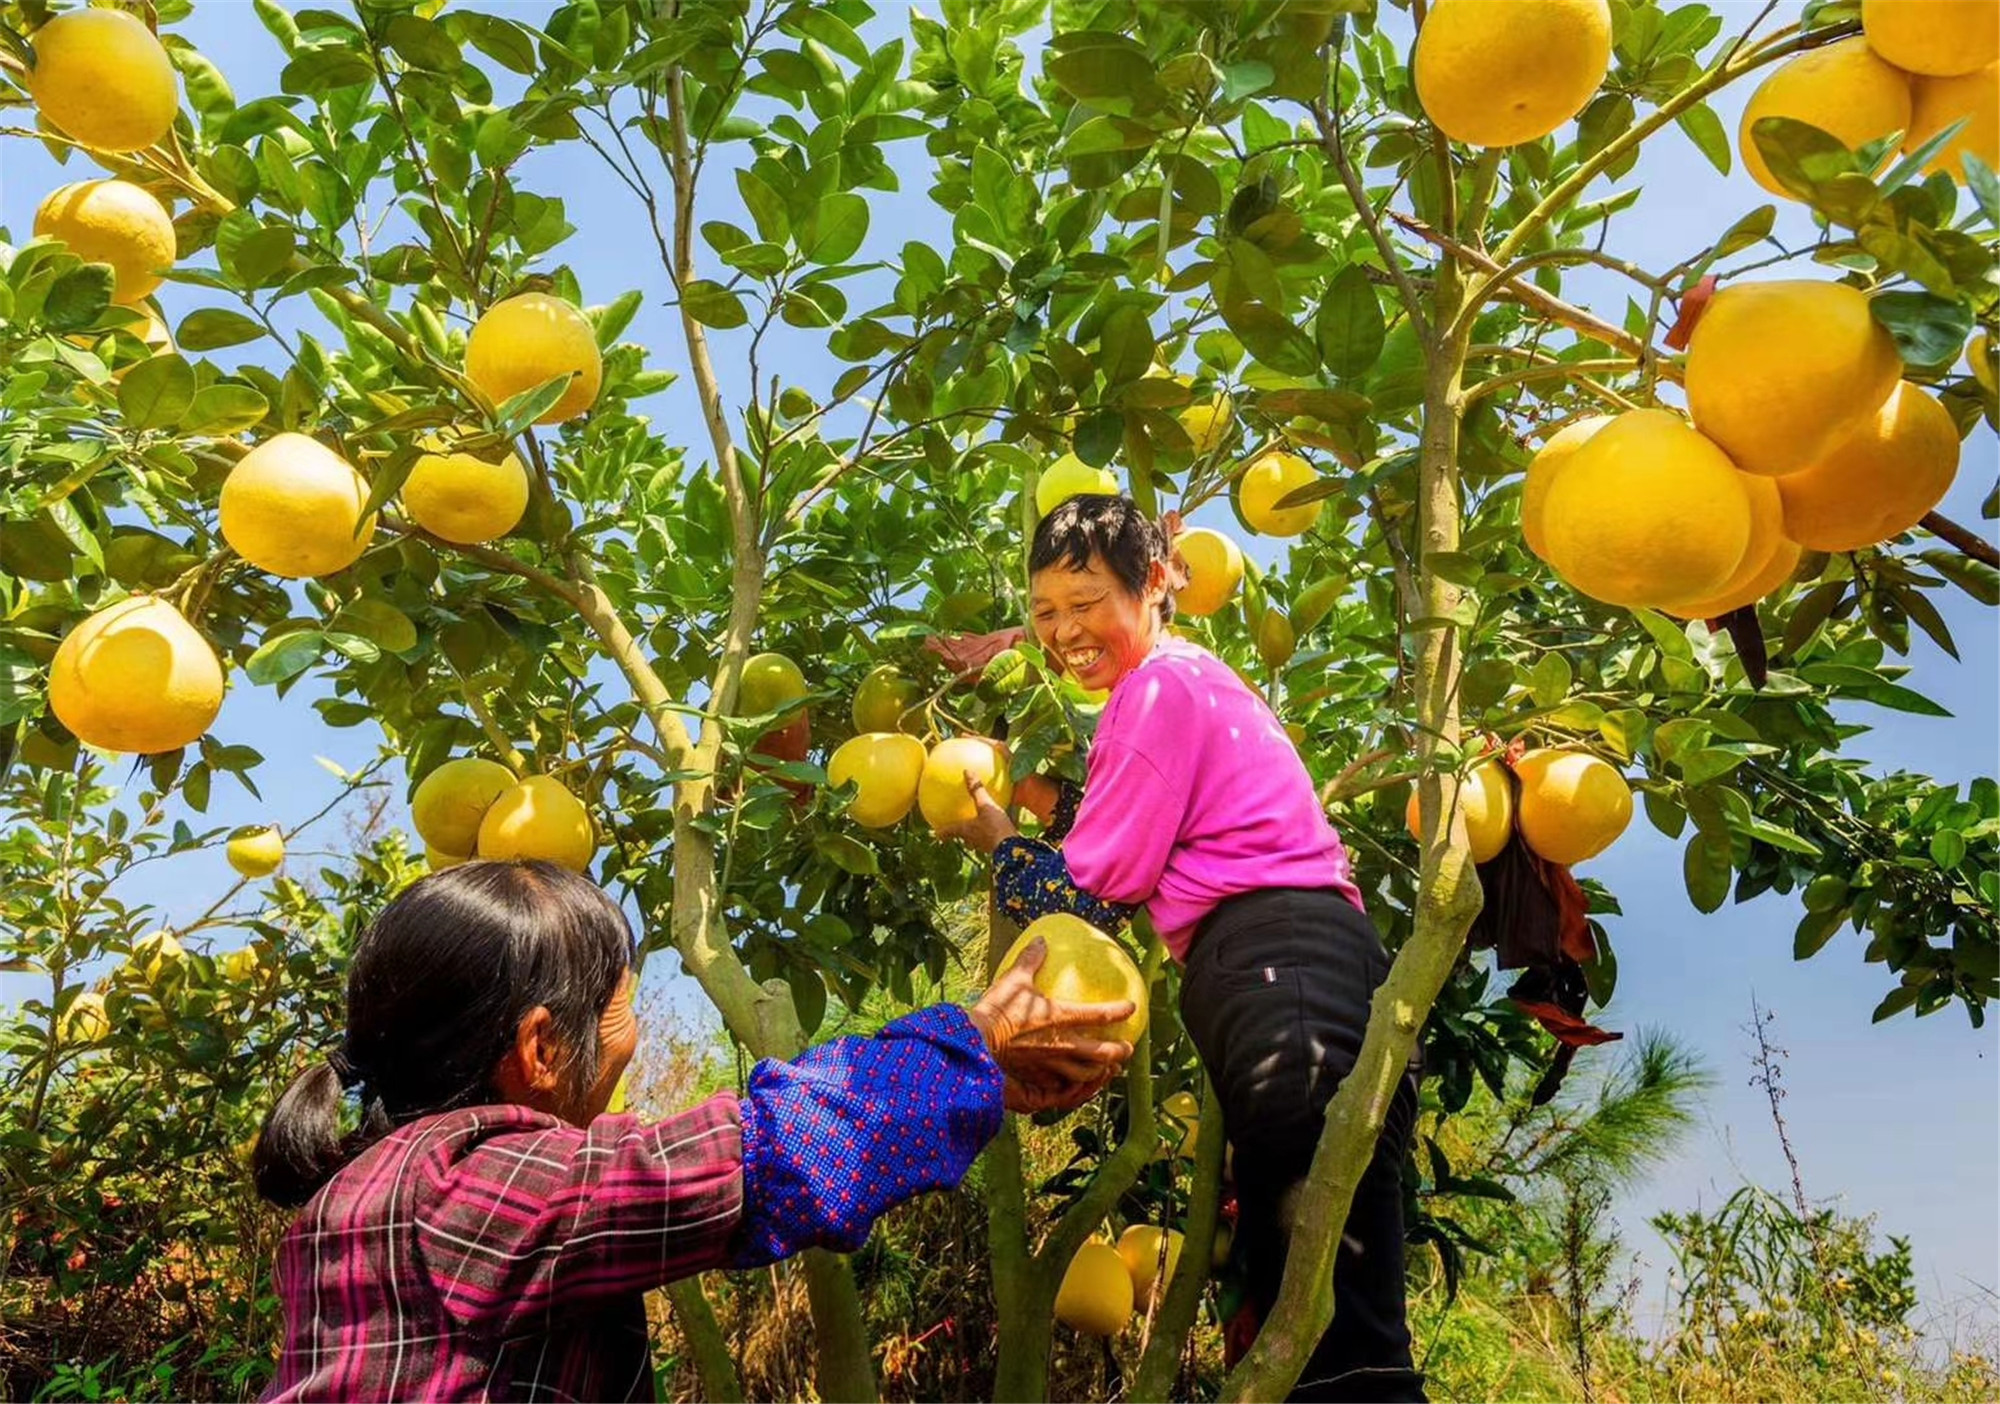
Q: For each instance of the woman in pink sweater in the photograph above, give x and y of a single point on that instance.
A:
(1198, 808)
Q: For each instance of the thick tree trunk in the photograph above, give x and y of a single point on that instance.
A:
(703, 1334)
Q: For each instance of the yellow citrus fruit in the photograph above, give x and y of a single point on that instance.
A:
(437, 860)
(1877, 482)
(1139, 1250)
(291, 507)
(1265, 483)
(1084, 966)
(114, 222)
(1096, 1293)
(1542, 470)
(620, 1094)
(1183, 1111)
(887, 766)
(153, 958)
(1208, 423)
(240, 966)
(149, 329)
(1277, 641)
(530, 339)
(1936, 103)
(450, 801)
(1646, 512)
(1778, 372)
(538, 818)
(1573, 805)
(1843, 89)
(1487, 798)
(104, 79)
(770, 680)
(136, 677)
(1069, 476)
(85, 1021)
(1767, 561)
(884, 698)
(257, 854)
(1941, 38)
(1215, 571)
(1500, 74)
(941, 793)
(465, 499)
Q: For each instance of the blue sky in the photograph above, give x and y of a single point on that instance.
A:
(1900, 1120)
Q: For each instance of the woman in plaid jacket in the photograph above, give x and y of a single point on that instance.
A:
(488, 1230)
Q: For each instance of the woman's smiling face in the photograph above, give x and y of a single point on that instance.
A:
(1090, 623)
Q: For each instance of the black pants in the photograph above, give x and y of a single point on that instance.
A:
(1275, 996)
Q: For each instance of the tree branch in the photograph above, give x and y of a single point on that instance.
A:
(1330, 142)
(1968, 542)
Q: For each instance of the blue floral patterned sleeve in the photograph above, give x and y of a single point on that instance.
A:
(1031, 880)
(1069, 796)
(848, 1130)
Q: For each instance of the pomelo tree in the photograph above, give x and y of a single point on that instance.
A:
(1277, 266)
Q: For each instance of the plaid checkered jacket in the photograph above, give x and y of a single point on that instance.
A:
(500, 1253)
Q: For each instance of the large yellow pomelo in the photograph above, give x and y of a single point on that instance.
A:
(154, 957)
(1096, 1293)
(437, 860)
(1843, 89)
(887, 766)
(1573, 805)
(1207, 423)
(1487, 797)
(1084, 966)
(114, 222)
(1778, 372)
(136, 677)
(1647, 511)
(884, 698)
(465, 499)
(1069, 476)
(240, 966)
(290, 506)
(1215, 571)
(1500, 74)
(1542, 470)
(538, 818)
(1139, 1250)
(770, 680)
(1767, 561)
(258, 854)
(450, 801)
(1940, 38)
(1936, 103)
(85, 1021)
(1265, 483)
(526, 340)
(941, 794)
(104, 79)
(1878, 481)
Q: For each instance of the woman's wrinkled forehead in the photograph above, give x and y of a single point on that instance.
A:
(1062, 582)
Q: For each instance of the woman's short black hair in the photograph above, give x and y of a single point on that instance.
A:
(1114, 530)
(436, 992)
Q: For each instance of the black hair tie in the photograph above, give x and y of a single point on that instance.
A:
(349, 1075)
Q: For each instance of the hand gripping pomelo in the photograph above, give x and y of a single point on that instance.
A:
(1084, 966)
(941, 793)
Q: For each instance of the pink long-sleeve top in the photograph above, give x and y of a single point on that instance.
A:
(1194, 794)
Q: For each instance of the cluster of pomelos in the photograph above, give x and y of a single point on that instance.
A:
(1804, 435)
(471, 807)
(1569, 806)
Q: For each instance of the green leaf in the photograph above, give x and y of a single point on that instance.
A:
(156, 392)
(1801, 156)
(1899, 999)
(614, 317)
(766, 207)
(1815, 929)
(1455, 566)
(713, 305)
(1753, 228)
(847, 854)
(813, 21)
(1930, 331)
(283, 657)
(224, 409)
(423, 43)
(1899, 699)
(1349, 326)
(78, 298)
(316, 72)
(1271, 338)
(1110, 77)
(378, 621)
(213, 328)
(1600, 976)
(1125, 345)
(834, 228)
(1550, 680)
(1706, 870)
(1098, 438)
(1702, 127)
(1767, 832)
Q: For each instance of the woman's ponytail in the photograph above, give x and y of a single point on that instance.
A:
(301, 1144)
